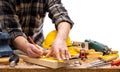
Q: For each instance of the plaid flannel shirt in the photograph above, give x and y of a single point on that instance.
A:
(25, 17)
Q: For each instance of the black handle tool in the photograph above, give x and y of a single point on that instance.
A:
(14, 59)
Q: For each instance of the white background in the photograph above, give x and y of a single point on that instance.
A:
(97, 20)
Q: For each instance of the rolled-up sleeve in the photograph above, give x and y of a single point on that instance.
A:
(58, 13)
(9, 20)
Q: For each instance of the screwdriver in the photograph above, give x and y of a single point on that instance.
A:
(104, 60)
(116, 63)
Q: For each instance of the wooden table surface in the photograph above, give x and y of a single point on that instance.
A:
(27, 67)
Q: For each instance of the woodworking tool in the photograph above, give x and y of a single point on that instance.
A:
(82, 54)
(109, 57)
(98, 46)
(14, 59)
(116, 63)
(104, 60)
(72, 61)
(79, 44)
(98, 64)
(5, 49)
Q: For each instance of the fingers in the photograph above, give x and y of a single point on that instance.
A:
(34, 51)
(65, 54)
(68, 56)
(40, 49)
(37, 51)
(32, 54)
(57, 53)
(61, 53)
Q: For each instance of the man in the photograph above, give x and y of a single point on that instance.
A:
(23, 18)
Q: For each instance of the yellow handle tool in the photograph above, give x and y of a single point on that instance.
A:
(109, 57)
(104, 60)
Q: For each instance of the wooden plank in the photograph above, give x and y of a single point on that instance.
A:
(53, 63)
(43, 62)
(46, 62)
(4, 60)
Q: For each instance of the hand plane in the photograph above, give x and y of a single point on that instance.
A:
(5, 49)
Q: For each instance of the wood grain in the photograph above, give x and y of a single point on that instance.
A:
(43, 62)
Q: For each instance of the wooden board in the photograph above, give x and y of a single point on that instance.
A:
(4, 60)
(46, 62)
(55, 64)
(29, 67)
(43, 62)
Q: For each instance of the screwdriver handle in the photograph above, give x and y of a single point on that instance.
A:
(117, 63)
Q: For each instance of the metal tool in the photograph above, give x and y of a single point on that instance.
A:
(14, 59)
(83, 54)
(98, 46)
(116, 63)
(104, 60)
(73, 61)
(98, 64)
(5, 49)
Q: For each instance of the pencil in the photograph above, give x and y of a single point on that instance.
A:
(31, 40)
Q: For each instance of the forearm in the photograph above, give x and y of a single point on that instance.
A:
(20, 43)
(63, 31)
(30, 49)
(59, 46)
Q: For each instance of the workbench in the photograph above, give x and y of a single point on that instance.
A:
(27, 67)
(23, 66)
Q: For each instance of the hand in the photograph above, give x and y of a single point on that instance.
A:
(30, 49)
(33, 51)
(60, 49)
